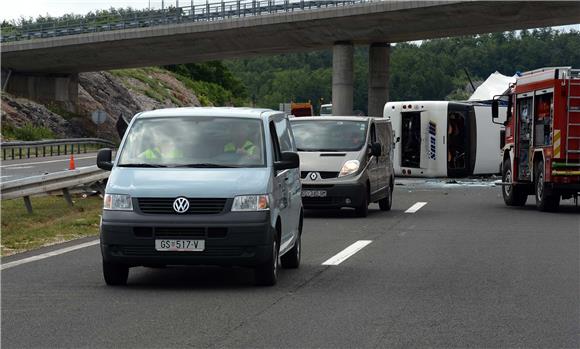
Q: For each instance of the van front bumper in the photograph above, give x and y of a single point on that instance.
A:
(233, 238)
(338, 195)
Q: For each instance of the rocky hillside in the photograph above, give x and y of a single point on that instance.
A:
(120, 92)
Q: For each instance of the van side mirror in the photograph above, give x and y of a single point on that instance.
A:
(376, 149)
(495, 109)
(398, 140)
(289, 160)
(104, 159)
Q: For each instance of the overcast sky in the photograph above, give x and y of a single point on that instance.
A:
(14, 9)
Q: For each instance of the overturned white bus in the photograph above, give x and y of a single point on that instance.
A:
(444, 139)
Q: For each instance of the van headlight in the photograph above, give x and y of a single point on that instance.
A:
(251, 203)
(349, 167)
(119, 202)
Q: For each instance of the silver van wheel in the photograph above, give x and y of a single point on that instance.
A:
(267, 273)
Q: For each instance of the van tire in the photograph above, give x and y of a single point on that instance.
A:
(266, 274)
(386, 203)
(513, 195)
(115, 274)
(544, 202)
(363, 209)
(291, 260)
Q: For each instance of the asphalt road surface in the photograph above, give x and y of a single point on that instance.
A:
(22, 168)
(462, 271)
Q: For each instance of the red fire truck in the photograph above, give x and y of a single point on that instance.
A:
(541, 155)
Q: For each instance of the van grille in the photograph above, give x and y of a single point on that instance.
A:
(196, 206)
(323, 174)
(181, 233)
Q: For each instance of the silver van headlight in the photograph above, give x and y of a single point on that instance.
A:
(251, 203)
(349, 167)
(120, 202)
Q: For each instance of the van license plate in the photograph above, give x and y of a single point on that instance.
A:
(314, 193)
(180, 245)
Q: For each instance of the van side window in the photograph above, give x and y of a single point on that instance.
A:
(283, 132)
(276, 153)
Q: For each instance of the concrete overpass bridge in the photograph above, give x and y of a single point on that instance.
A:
(46, 68)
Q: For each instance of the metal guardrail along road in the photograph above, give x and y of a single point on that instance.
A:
(51, 182)
(172, 15)
(20, 150)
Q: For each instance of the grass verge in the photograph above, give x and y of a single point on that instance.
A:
(52, 221)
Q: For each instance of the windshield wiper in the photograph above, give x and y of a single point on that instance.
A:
(141, 165)
(302, 149)
(205, 165)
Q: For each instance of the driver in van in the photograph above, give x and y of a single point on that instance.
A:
(241, 143)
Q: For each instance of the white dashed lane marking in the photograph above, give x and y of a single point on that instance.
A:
(416, 207)
(347, 252)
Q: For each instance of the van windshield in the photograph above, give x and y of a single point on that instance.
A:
(329, 135)
(203, 142)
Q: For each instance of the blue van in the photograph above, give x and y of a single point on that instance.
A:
(203, 186)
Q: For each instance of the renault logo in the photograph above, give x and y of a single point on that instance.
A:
(181, 205)
(313, 176)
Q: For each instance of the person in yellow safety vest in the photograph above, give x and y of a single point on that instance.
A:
(248, 148)
(165, 152)
(241, 146)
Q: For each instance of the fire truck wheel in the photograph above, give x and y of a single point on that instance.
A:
(544, 202)
(512, 194)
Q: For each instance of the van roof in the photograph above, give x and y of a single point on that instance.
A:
(253, 113)
(333, 118)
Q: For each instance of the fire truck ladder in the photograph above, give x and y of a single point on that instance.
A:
(573, 80)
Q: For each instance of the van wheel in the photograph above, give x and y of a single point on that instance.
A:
(386, 203)
(544, 202)
(512, 194)
(363, 209)
(291, 260)
(267, 273)
(115, 274)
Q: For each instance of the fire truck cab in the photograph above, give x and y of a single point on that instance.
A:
(541, 155)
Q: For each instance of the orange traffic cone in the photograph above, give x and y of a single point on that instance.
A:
(71, 163)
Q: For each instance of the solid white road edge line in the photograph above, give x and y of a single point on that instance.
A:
(48, 254)
(48, 161)
(347, 252)
(415, 207)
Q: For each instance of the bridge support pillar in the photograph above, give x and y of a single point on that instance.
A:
(342, 78)
(59, 89)
(378, 78)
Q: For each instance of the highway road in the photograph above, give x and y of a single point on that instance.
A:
(22, 168)
(462, 270)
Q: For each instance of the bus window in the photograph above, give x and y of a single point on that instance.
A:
(456, 144)
(411, 139)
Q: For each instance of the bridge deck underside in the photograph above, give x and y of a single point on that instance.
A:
(281, 33)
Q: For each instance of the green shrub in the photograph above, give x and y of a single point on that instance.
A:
(28, 132)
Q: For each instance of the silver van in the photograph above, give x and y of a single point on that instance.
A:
(211, 186)
(345, 161)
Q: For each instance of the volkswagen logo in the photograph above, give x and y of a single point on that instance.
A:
(313, 176)
(181, 205)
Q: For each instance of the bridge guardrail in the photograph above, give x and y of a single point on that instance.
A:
(172, 15)
(20, 150)
(51, 182)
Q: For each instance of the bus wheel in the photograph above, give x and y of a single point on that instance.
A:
(544, 202)
(512, 194)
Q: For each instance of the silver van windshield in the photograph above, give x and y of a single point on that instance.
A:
(203, 142)
(329, 135)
